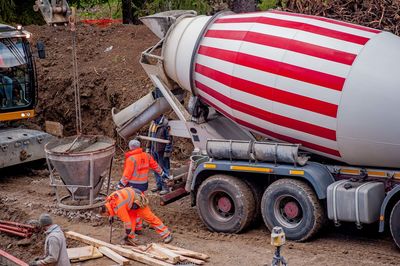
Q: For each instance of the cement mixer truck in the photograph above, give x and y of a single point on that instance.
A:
(293, 118)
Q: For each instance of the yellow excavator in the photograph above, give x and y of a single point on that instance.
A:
(19, 87)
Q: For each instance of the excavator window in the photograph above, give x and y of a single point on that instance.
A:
(16, 75)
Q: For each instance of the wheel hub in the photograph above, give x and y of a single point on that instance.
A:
(224, 204)
(291, 210)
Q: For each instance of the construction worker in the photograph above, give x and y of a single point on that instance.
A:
(161, 152)
(55, 247)
(136, 171)
(129, 204)
(137, 166)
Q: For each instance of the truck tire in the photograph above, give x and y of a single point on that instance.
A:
(394, 223)
(257, 191)
(292, 205)
(225, 204)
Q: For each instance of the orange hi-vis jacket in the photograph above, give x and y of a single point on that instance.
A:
(121, 203)
(136, 169)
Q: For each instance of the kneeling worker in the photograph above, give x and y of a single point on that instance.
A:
(129, 204)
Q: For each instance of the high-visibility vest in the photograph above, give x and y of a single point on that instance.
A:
(137, 167)
(124, 198)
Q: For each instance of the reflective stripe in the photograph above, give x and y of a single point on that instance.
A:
(127, 201)
(160, 227)
(138, 182)
(166, 232)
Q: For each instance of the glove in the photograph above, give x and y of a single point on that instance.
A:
(111, 219)
(167, 154)
(147, 150)
(120, 185)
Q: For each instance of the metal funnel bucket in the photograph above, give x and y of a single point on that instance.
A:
(82, 163)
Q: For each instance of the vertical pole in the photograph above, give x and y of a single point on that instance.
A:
(91, 166)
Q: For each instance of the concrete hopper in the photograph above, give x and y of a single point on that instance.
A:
(81, 163)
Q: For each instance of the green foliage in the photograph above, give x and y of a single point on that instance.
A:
(267, 4)
(201, 6)
(7, 10)
(109, 9)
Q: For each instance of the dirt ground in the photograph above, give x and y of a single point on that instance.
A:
(115, 79)
(25, 193)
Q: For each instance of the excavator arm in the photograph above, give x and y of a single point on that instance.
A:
(54, 12)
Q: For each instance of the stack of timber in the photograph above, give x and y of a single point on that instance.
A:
(152, 254)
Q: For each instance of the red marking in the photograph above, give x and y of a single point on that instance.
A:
(310, 145)
(348, 37)
(12, 258)
(102, 22)
(275, 67)
(291, 210)
(286, 44)
(270, 93)
(337, 22)
(268, 116)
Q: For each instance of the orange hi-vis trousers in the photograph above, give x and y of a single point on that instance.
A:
(147, 215)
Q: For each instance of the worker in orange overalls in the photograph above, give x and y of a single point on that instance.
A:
(129, 204)
(136, 171)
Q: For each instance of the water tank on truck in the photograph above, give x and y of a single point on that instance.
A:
(328, 85)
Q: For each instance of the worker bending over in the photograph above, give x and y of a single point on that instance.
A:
(136, 172)
(55, 246)
(129, 204)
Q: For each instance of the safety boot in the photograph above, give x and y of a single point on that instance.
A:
(164, 191)
(168, 239)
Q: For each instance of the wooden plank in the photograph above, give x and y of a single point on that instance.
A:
(114, 256)
(172, 257)
(192, 260)
(187, 252)
(83, 253)
(150, 254)
(121, 251)
(12, 259)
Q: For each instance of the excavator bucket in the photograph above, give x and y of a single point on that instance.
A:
(54, 12)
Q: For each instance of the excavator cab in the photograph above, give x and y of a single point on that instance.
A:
(17, 75)
(18, 88)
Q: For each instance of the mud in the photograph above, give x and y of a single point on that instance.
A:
(29, 195)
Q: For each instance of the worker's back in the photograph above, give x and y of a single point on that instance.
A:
(137, 167)
(55, 239)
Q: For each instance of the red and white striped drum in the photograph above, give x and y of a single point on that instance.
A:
(332, 86)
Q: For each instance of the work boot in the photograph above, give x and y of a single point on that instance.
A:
(154, 190)
(168, 239)
(164, 191)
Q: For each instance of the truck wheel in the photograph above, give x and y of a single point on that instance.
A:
(395, 223)
(225, 204)
(292, 205)
(257, 191)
